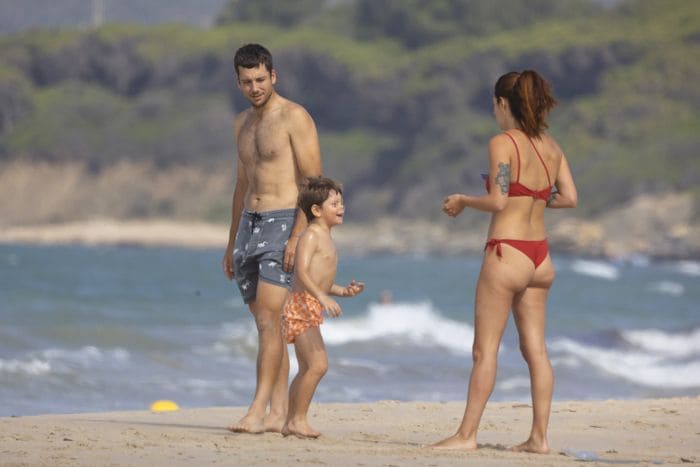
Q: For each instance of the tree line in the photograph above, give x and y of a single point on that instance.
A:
(401, 91)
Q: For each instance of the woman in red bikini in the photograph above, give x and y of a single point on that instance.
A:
(525, 164)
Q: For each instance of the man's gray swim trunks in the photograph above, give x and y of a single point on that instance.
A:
(259, 250)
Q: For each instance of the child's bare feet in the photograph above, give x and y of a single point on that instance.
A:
(531, 446)
(300, 429)
(455, 442)
(248, 424)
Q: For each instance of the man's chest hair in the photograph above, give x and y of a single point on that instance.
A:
(263, 146)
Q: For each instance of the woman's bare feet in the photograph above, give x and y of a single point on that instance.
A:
(456, 442)
(531, 446)
(300, 429)
(248, 424)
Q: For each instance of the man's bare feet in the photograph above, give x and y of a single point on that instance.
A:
(248, 424)
(301, 430)
(455, 442)
(273, 424)
(531, 446)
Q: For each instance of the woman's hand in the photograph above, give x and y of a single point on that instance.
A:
(453, 204)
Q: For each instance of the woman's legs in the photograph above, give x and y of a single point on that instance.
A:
(499, 280)
(529, 311)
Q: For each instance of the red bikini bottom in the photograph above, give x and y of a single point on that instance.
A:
(536, 250)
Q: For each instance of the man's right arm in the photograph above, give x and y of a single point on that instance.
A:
(237, 204)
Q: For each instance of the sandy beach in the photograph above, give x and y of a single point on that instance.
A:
(387, 433)
(653, 234)
(96, 232)
(386, 236)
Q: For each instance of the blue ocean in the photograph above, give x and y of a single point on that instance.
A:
(86, 329)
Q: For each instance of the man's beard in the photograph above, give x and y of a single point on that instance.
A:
(262, 103)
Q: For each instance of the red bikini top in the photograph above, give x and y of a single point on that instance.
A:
(518, 189)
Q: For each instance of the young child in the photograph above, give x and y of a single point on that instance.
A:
(313, 284)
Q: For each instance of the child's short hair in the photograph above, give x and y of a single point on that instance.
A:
(316, 191)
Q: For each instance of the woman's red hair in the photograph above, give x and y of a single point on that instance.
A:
(530, 98)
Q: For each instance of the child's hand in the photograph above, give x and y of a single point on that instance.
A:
(354, 288)
(331, 306)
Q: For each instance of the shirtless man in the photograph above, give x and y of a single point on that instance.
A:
(278, 149)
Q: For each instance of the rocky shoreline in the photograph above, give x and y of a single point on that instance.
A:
(132, 203)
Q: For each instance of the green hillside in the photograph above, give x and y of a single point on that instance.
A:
(402, 96)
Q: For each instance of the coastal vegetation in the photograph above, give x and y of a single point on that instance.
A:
(400, 90)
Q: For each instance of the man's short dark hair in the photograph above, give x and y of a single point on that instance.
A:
(251, 56)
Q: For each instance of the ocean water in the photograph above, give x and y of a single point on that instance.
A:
(87, 329)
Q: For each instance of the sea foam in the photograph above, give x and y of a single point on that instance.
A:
(677, 345)
(32, 367)
(650, 369)
(599, 269)
(419, 323)
(690, 268)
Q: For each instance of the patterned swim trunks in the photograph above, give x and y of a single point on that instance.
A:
(301, 311)
(259, 251)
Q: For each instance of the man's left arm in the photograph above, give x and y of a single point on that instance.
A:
(307, 153)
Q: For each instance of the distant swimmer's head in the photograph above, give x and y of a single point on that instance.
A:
(527, 96)
(322, 196)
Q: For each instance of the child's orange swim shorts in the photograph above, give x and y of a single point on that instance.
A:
(301, 311)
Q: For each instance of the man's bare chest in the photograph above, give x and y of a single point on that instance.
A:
(263, 141)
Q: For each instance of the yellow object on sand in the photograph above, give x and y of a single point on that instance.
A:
(164, 406)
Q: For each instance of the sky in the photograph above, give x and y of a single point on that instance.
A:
(19, 15)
